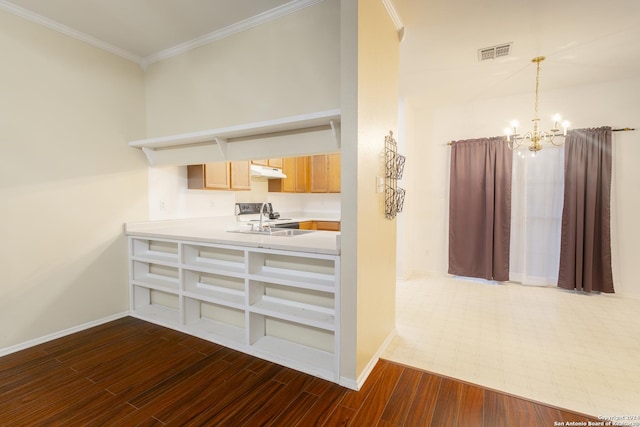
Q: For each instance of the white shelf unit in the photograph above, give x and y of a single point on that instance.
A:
(279, 305)
(308, 133)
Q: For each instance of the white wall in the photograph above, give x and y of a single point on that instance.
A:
(68, 180)
(606, 104)
(169, 198)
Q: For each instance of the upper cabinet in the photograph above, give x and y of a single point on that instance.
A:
(309, 174)
(325, 173)
(290, 136)
(219, 176)
(297, 181)
(274, 163)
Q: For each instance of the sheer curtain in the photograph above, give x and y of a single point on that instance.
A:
(536, 216)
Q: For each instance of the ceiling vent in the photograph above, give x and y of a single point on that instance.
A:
(494, 52)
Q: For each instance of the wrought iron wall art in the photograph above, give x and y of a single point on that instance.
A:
(394, 168)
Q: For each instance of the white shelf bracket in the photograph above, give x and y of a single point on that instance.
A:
(334, 131)
(149, 152)
(222, 146)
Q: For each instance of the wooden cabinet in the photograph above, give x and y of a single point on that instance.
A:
(277, 305)
(240, 176)
(219, 176)
(307, 225)
(309, 174)
(297, 180)
(325, 173)
(274, 163)
(328, 225)
(320, 225)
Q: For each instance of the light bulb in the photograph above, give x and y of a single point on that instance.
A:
(557, 117)
(514, 124)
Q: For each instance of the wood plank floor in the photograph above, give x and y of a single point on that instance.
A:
(130, 372)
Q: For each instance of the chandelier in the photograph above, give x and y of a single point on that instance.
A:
(535, 138)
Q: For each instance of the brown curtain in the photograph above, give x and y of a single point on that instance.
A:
(585, 248)
(480, 208)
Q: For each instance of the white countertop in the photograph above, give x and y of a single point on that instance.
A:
(216, 230)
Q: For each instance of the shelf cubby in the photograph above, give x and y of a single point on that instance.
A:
(222, 324)
(156, 276)
(300, 272)
(157, 306)
(215, 288)
(215, 259)
(157, 251)
(302, 306)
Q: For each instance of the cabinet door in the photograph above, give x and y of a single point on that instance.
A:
(308, 225)
(325, 173)
(319, 173)
(328, 225)
(261, 162)
(275, 163)
(302, 175)
(289, 169)
(333, 181)
(216, 176)
(219, 176)
(240, 176)
(297, 180)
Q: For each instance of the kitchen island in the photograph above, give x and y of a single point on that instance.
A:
(275, 297)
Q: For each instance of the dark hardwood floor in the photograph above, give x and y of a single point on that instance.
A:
(129, 373)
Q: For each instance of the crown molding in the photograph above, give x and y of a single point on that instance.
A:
(270, 15)
(395, 17)
(68, 31)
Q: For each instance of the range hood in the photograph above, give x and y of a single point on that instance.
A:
(258, 171)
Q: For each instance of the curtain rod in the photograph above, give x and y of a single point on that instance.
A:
(612, 130)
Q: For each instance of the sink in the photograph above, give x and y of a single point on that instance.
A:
(290, 232)
(279, 232)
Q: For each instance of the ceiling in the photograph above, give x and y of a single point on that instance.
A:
(585, 41)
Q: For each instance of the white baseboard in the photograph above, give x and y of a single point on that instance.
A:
(355, 385)
(60, 334)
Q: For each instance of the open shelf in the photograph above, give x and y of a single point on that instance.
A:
(214, 288)
(158, 314)
(276, 304)
(157, 276)
(215, 260)
(304, 314)
(155, 251)
(157, 306)
(222, 322)
(312, 133)
(317, 273)
(220, 332)
(315, 281)
(309, 359)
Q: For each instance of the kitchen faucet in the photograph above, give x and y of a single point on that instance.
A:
(262, 215)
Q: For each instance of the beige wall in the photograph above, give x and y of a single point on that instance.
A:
(377, 114)
(286, 67)
(68, 181)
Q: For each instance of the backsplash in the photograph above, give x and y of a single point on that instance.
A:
(169, 198)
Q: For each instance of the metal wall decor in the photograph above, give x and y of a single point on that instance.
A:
(394, 168)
